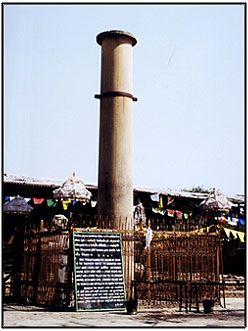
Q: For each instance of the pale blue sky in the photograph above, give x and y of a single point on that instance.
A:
(188, 122)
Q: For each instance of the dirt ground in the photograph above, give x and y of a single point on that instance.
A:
(29, 316)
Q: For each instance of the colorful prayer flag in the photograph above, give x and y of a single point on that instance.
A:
(160, 201)
(6, 198)
(179, 214)
(170, 212)
(51, 203)
(155, 197)
(38, 201)
(65, 203)
(170, 200)
(148, 237)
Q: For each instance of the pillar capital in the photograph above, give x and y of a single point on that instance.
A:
(115, 34)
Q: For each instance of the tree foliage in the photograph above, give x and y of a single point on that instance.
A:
(197, 189)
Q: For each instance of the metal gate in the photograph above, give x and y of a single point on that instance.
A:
(177, 268)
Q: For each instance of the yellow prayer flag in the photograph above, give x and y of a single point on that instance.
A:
(236, 234)
(160, 201)
(241, 236)
(65, 204)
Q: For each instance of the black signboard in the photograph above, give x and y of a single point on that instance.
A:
(98, 270)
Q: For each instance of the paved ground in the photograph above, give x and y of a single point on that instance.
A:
(22, 316)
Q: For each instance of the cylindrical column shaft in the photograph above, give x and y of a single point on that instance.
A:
(115, 186)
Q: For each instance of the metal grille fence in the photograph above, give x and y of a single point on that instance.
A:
(45, 276)
(177, 268)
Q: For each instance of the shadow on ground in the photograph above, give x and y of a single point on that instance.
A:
(180, 318)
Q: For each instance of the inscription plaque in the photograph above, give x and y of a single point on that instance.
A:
(98, 271)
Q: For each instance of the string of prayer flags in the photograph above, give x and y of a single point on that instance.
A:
(159, 211)
(235, 234)
(173, 213)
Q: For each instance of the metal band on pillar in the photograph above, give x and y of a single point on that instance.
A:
(115, 94)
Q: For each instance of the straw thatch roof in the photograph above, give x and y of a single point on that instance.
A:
(72, 188)
(216, 201)
(17, 205)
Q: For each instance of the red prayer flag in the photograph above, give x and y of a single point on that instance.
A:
(38, 201)
(170, 212)
(170, 200)
(179, 214)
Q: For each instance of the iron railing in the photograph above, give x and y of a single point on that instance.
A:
(177, 268)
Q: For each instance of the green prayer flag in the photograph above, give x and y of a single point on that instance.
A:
(51, 203)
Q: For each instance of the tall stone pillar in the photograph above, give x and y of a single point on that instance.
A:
(115, 186)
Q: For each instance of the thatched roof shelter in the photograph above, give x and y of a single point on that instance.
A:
(17, 205)
(73, 188)
(216, 201)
